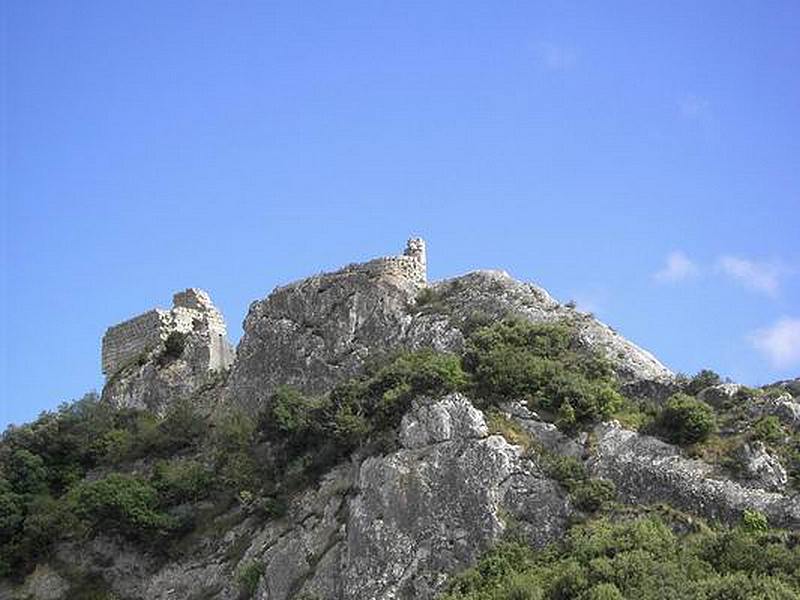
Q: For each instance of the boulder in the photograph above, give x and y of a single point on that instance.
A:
(761, 468)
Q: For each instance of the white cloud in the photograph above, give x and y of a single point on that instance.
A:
(693, 106)
(780, 343)
(758, 276)
(556, 58)
(677, 268)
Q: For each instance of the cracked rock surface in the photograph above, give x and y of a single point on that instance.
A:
(647, 470)
(324, 329)
(384, 527)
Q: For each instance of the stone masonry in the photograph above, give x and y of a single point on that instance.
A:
(192, 310)
(410, 266)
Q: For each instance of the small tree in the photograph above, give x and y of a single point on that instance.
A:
(686, 420)
(702, 380)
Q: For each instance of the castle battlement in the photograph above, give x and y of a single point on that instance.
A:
(192, 312)
(411, 265)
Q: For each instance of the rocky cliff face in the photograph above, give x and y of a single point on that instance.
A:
(321, 330)
(396, 524)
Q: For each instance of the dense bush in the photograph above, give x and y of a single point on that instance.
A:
(248, 577)
(769, 430)
(43, 463)
(315, 432)
(181, 480)
(702, 380)
(643, 559)
(120, 503)
(543, 363)
(686, 420)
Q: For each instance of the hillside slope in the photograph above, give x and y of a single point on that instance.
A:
(375, 436)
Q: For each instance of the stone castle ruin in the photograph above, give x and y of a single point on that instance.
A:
(143, 371)
(192, 314)
(411, 266)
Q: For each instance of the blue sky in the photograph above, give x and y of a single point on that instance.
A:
(642, 158)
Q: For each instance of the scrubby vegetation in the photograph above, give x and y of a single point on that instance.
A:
(544, 365)
(649, 557)
(43, 491)
(248, 577)
(88, 467)
(686, 420)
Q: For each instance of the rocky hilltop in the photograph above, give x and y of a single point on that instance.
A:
(321, 330)
(373, 436)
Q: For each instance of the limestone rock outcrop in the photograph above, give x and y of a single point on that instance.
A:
(321, 330)
(396, 524)
(646, 470)
(375, 528)
(761, 468)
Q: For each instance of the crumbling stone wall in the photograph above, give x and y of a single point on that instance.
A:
(192, 312)
(411, 265)
(123, 343)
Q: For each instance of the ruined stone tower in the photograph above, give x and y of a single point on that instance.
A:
(415, 248)
(192, 313)
(410, 268)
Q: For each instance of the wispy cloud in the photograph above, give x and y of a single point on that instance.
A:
(693, 106)
(678, 267)
(555, 57)
(758, 276)
(780, 343)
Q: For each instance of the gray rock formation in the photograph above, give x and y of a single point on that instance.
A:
(396, 525)
(316, 332)
(432, 507)
(761, 468)
(786, 408)
(379, 528)
(720, 395)
(647, 471)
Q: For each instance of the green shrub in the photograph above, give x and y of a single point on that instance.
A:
(702, 380)
(181, 480)
(592, 494)
(12, 513)
(248, 577)
(754, 521)
(686, 420)
(181, 428)
(516, 359)
(568, 471)
(119, 503)
(291, 411)
(769, 430)
(26, 472)
(566, 419)
(605, 591)
(426, 296)
(388, 393)
(640, 558)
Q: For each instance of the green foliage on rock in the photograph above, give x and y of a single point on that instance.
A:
(248, 577)
(769, 430)
(686, 420)
(644, 559)
(313, 433)
(181, 480)
(702, 380)
(122, 503)
(543, 364)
